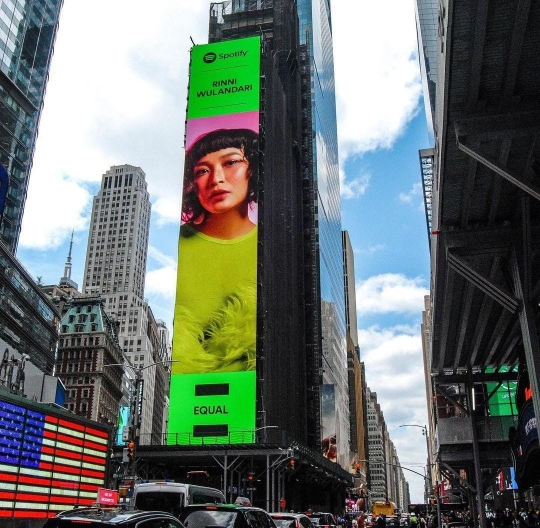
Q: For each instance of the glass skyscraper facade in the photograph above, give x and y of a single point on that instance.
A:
(27, 33)
(316, 34)
(426, 12)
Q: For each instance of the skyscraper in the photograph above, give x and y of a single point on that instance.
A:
(300, 296)
(27, 33)
(315, 33)
(115, 268)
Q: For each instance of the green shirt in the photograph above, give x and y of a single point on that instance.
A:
(215, 310)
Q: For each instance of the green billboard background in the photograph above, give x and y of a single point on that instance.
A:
(224, 78)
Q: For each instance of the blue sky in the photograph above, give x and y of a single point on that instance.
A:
(117, 94)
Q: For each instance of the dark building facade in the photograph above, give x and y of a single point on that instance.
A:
(287, 368)
(294, 280)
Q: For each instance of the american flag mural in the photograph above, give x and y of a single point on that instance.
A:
(48, 463)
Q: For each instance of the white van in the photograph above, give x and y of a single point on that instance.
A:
(171, 497)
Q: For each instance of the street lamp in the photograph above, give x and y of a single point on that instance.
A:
(428, 480)
(264, 428)
(425, 433)
(381, 462)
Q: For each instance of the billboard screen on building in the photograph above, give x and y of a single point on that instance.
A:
(502, 401)
(328, 421)
(213, 379)
(48, 462)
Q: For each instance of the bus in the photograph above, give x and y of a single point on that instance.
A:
(381, 507)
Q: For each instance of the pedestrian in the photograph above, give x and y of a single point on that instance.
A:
(361, 520)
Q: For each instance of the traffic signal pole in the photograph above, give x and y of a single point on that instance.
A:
(135, 423)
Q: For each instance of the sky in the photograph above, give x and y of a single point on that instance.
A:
(117, 95)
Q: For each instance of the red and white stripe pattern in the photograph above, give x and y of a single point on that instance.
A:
(48, 463)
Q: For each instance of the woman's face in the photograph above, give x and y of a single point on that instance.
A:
(222, 179)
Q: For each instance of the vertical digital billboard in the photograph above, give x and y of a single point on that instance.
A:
(48, 461)
(213, 379)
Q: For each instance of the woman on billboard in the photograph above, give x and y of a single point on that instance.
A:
(216, 298)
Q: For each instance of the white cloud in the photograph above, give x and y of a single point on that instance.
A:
(161, 282)
(157, 255)
(377, 75)
(370, 250)
(116, 94)
(394, 370)
(413, 194)
(390, 293)
(355, 187)
(55, 206)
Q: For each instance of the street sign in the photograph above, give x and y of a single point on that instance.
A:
(107, 497)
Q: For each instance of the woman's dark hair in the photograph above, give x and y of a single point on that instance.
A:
(241, 138)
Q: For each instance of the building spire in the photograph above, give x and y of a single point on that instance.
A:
(66, 279)
(67, 269)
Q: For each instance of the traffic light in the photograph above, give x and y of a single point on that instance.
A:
(131, 449)
(251, 476)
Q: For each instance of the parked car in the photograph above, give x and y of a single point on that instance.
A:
(104, 517)
(291, 520)
(322, 520)
(225, 516)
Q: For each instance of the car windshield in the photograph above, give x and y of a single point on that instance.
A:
(213, 518)
(284, 523)
(170, 502)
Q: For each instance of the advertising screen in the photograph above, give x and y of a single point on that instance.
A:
(503, 395)
(48, 462)
(328, 421)
(213, 381)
